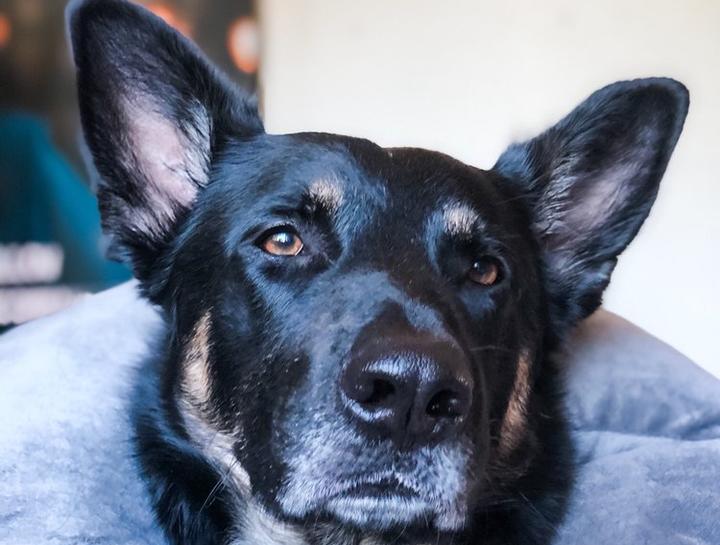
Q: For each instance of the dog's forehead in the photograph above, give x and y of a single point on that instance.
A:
(441, 186)
(343, 173)
(418, 175)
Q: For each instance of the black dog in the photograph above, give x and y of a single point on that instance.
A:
(358, 338)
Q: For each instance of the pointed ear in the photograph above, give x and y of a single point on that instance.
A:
(155, 113)
(590, 182)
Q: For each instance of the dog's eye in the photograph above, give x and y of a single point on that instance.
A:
(485, 271)
(282, 243)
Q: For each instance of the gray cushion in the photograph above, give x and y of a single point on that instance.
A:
(647, 422)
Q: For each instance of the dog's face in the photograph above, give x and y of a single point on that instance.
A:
(357, 333)
(364, 310)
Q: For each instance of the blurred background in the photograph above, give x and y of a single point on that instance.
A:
(51, 247)
(464, 77)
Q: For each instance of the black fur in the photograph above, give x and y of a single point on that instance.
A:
(190, 187)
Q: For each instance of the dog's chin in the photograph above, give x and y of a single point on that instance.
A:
(427, 491)
(369, 510)
(384, 513)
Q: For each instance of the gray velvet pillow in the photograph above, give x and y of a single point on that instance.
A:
(647, 422)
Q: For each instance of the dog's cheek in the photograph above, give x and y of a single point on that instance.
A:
(515, 449)
(195, 407)
(220, 446)
(195, 383)
(258, 527)
(514, 424)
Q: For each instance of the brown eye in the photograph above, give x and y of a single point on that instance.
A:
(485, 271)
(283, 243)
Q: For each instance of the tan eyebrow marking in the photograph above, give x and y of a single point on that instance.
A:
(326, 192)
(459, 219)
(514, 421)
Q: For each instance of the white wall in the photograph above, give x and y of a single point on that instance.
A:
(467, 77)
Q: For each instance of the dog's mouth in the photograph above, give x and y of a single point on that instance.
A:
(386, 487)
(379, 488)
(379, 503)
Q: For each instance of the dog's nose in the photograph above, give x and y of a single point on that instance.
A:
(411, 398)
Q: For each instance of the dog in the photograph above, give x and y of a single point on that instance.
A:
(359, 343)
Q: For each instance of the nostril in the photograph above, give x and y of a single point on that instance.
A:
(446, 404)
(379, 392)
(411, 398)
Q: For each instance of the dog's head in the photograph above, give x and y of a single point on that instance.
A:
(357, 331)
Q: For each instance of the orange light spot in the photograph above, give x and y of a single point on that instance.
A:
(243, 44)
(5, 30)
(170, 16)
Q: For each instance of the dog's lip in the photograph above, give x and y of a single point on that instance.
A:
(377, 488)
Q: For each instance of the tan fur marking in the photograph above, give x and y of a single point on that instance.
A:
(196, 373)
(513, 426)
(326, 192)
(194, 396)
(459, 219)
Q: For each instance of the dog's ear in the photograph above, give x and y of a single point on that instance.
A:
(154, 113)
(590, 181)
